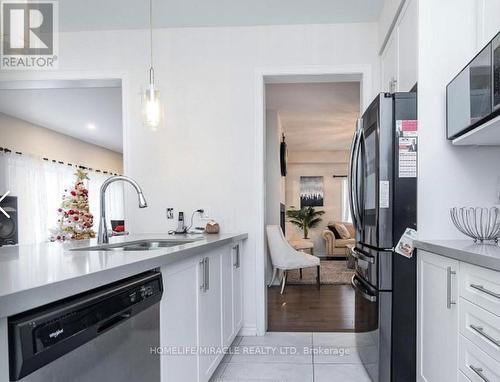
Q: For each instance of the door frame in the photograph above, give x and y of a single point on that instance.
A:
(304, 74)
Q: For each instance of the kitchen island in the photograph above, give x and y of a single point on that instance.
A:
(35, 275)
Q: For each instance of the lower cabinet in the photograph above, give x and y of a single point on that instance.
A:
(437, 329)
(458, 321)
(201, 313)
(210, 313)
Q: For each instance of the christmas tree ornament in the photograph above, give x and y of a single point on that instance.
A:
(74, 221)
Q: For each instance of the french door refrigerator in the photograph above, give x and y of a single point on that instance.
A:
(383, 196)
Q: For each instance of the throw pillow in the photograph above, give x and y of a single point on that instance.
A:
(342, 230)
(335, 232)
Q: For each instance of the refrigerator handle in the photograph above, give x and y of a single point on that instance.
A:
(352, 174)
(357, 199)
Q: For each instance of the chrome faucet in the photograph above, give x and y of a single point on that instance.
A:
(102, 235)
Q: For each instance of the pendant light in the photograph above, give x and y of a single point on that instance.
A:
(152, 109)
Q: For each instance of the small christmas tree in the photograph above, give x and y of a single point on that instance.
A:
(75, 220)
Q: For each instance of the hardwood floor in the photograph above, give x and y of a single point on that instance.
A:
(331, 308)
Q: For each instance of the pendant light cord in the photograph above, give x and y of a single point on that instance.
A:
(151, 70)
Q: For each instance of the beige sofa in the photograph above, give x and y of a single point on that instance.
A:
(337, 247)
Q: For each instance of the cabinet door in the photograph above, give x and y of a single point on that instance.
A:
(209, 314)
(178, 328)
(408, 47)
(437, 330)
(227, 296)
(488, 21)
(237, 289)
(390, 65)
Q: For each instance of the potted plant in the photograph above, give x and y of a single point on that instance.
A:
(305, 218)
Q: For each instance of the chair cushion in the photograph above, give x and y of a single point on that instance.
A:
(342, 230)
(334, 230)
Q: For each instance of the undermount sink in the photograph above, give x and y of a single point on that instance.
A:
(139, 245)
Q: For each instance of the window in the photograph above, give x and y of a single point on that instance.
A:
(39, 186)
(346, 209)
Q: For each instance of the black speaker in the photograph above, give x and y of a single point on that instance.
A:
(8, 226)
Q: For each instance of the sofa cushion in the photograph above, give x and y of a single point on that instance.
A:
(344, 242)
(334, 230)
(342, 230)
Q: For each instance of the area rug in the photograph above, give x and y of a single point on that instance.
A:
(333, 272)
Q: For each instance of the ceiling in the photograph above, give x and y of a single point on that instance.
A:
(68, 109)
(78, 15)
(316, 116)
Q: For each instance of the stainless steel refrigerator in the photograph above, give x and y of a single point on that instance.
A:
(383, 195)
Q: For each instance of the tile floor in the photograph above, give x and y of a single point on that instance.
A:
(299, 357)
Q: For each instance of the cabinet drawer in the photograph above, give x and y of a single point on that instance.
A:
(476, 364)
(481, 327)
(480, 286)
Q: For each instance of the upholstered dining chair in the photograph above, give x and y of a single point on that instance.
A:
(284, 257)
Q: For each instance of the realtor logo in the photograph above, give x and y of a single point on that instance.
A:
(29, 34)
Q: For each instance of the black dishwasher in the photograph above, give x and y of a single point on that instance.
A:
(106, 334)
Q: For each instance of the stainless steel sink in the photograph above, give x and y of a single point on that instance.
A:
(138, 245)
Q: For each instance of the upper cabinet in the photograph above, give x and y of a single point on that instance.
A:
(390, 65)
(488, 21)
(399, 58)
(408, 46)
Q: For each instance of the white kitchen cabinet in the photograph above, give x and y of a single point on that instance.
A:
(399, 59)
(488, 21)
(227, 297)
(179, 321)
(237, 289)
(201, 312)
(210, 313)
(232, 315)
(390, 65)
(408, 46)
(437, 329)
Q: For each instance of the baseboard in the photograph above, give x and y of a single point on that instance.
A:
(248, 331)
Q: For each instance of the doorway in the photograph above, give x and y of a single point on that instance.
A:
(309, 128)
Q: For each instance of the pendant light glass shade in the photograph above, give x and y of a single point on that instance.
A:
(152, 108)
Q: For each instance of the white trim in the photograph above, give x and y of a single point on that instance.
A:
(248, 331)
(260, 78)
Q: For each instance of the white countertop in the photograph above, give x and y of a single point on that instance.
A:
(34, 275)
(485, 255)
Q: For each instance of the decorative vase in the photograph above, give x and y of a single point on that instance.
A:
(212, 227)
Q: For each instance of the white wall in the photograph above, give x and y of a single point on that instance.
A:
(23, 136)
(448, 176)
(206, 156)
(332, 187)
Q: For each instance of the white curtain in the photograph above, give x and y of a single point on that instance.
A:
(39, 186)
(346, 209)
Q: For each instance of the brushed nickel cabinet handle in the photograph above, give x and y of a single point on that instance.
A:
(481, 332)
(237, 256)
(484, 290)
(207, 274)
(480, 372)
(449, 301)
(203, 273)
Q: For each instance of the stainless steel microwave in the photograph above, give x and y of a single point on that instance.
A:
(473, 96)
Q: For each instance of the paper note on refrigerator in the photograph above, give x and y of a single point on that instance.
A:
(405, 245)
